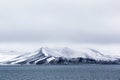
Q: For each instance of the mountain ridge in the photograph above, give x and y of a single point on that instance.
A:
(65, 55)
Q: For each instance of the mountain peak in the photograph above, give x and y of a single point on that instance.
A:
(46, 54)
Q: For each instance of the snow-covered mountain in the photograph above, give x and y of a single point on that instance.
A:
(63, 55)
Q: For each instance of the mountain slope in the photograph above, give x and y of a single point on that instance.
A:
(64, 55)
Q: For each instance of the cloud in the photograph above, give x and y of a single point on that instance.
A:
(61, 20)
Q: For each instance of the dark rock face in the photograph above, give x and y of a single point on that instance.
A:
(41, 62)
(65, 61)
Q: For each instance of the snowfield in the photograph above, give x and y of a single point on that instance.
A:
(63, 55)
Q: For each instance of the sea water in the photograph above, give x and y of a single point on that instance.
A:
(60, 72)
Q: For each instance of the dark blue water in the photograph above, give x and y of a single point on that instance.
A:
(60, 72)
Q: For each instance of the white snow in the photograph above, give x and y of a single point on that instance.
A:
(109, 52)
(6, 57)
(50, 59)
(74, 53)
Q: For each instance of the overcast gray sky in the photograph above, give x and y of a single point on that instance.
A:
(89, 21)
